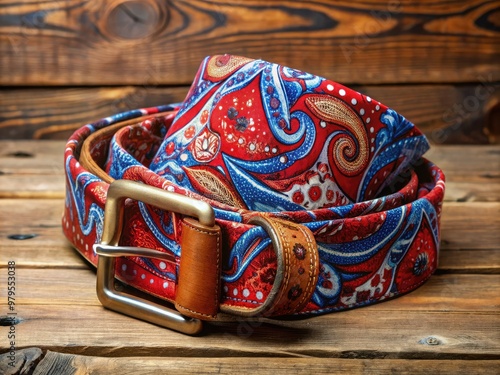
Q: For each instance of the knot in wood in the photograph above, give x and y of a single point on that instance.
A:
(134, 19)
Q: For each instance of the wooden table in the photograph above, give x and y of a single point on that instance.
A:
(450, 325)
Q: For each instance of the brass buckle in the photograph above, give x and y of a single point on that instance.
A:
(108, 250)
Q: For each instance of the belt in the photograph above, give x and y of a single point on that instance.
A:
(268, 192)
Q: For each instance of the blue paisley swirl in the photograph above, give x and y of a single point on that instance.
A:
(398, 220)
(258, 197)
(310, 80)
(167, 243)
(420, 208)
(284, 160)
(358, 251)
(388, 150)
(94, 218)
(396, 124)
(238, 252)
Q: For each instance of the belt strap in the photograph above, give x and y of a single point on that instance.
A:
(323, 243)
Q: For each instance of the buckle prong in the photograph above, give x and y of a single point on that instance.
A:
(109, 250)
(128, 251)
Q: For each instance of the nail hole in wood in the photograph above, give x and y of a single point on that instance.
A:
(7, 321)
(22, 236)
(21, 154)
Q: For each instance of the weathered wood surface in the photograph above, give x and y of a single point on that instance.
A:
(31, 169)
(131, 42)
(76, 364)
(461, 249)
(56, 113)
(439, 292)
(450, 325)
(436, 62)
(446, 113)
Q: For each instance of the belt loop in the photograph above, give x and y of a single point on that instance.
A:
(198, 287)
(297, 268)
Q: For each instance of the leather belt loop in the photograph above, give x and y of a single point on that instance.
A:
(297, 267)
(198, 288)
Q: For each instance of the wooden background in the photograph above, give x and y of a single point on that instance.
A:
(67, 63)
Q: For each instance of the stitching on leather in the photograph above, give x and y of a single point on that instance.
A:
(200, 230)
(195, 312)
(313, 261)
(287, 265)
(243, 300)
(216, 294)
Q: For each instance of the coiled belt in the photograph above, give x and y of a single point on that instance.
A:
(268, 192)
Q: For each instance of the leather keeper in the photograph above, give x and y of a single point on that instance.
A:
(198, 288)
(298, 266)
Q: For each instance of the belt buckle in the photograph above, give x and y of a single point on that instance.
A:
(108, 250)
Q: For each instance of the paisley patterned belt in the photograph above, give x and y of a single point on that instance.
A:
(268, 192)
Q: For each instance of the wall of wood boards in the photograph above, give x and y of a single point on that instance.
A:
(67, 63)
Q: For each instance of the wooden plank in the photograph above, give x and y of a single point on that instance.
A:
(461, 228)
(364, 332)
(446, 113)
(71, 364)
(99, 43)
(39, 220)
(460, 163)
(34, 169)
(31, 169)
(454, 292)
(31, 158)
(46, 187)
(466, 261)
(22, 362)
(488, 191)
(49, 248)
(467, 163)
(57, 113)
(42, 218)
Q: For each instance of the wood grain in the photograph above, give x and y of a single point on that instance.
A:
(30, 169)
(436, 62)
(446, 113)
(365, 332)
(49, 248)
(42, 113)
(24, 362)
(449, 325)
(114, 43)
(460, 163)
(454, 292)
(75, 364)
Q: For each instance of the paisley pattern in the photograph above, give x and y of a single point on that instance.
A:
(350, 154)
(255, 136)
(268, 128)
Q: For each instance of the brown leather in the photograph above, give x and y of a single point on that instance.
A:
(198, 287)
(300, 265)
(297, 272)
(100, 139)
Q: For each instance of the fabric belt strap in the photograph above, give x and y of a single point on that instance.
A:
(267, 192)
